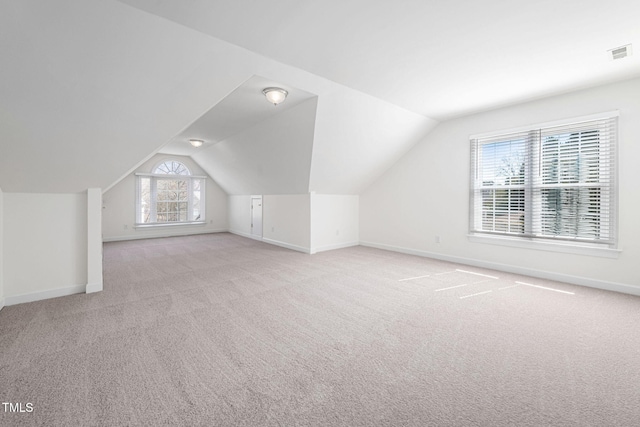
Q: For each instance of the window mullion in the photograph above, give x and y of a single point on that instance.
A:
(167, 196)
(190, 199)
(153, 212)
(532, 182)
(565, 189)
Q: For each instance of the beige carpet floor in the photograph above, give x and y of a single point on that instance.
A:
(219, 330)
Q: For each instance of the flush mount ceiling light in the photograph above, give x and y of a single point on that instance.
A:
(275, 95)
(196, 142)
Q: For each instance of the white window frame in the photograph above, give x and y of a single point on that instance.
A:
(532, 238)
(154, 178)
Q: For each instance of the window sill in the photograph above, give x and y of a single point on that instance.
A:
(568, 248)
(172, 224)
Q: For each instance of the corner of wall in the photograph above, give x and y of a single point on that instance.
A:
(94, 240)
(61, 250)
(286, 221)
(334, 221)
(1, 250)
(312, 214)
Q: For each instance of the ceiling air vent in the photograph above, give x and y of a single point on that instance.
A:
(620, 52)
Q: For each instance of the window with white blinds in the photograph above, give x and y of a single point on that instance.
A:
(553, 182)
(169, 195)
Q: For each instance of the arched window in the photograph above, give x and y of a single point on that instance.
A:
(171, 167)
(170, 195)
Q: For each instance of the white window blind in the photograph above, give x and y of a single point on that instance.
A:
(550, 182)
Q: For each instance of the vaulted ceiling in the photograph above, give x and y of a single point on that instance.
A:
(439, 58)
(89, 89)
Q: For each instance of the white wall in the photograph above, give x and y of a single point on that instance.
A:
(334, 221)
(426, 193)
(1, 251)
(307, 223)
(357, 138)
(45, 248)
(286, 221)
(118, 216)
(94, 240)
(240, 215)
(271, 157)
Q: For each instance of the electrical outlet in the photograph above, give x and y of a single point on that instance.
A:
(337, 232)
(273, 229)
(437, 239)
(126, 226)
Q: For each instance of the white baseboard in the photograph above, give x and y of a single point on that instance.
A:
(93, 287)
(287, 245)
(1, 303)
(247, 235)
(333, 247)
(549, 275)
(40, 295)
(159, 235)
(296, 247)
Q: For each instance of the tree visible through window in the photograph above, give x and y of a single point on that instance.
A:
(170, 194)
(552, 183)
(503, 196)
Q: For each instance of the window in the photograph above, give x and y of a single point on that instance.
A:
(553, 183)
(170, 195)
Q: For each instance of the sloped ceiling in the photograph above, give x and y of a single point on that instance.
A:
(271, 157)
(336, 144)
(252, 146)
(240, 110)
(89, 89)
(439, 58)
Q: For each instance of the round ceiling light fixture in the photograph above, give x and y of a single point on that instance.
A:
(196, 142)
(275, 95)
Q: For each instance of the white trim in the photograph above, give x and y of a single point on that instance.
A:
(334, 246)
(1, 303)
(287, 245)
(243, 234)
(168, 224)
(168, 175)
(170, 160)
(154, 202)
(534, 186)
(93, 287)
(40, 295)
(160, 235)
(574, 280)
(251, 199)
(564, 247)
(312, 196)
(94, 240)
(573, 120)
